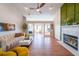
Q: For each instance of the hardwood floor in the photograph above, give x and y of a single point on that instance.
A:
(47, 46)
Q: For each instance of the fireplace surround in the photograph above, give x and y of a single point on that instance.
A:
(71, 41)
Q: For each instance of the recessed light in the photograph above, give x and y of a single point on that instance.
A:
(26, 8)
(50, 8)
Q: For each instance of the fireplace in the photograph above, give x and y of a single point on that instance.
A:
(71, 41)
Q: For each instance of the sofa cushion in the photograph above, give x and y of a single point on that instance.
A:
(1, 52)
(9, 53)
(19, 34)
(7, 40)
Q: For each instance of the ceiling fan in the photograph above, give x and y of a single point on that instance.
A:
(39, 5)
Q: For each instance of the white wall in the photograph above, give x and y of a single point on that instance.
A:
(40, 17)
(57, 24)
(9, 14)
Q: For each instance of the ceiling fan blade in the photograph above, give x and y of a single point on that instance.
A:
(32, 8)
(41, 5)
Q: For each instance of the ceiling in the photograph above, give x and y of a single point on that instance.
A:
(44, 9)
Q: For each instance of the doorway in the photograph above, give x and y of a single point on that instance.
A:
(45, 29)
(39, 28)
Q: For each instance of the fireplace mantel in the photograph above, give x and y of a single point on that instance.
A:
(70, 30)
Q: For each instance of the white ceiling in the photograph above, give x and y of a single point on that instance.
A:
(46, 15)
(44, 9)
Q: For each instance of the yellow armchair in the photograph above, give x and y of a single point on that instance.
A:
(21, 51)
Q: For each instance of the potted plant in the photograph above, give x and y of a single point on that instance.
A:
(24, 26)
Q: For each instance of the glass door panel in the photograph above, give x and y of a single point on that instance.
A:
(47, 29)
(39, 28)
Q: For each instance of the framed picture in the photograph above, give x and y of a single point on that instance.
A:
(7, 27)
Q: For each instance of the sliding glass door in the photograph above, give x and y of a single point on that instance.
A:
(39, 28)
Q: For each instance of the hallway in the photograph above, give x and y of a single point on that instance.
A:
(47, 46)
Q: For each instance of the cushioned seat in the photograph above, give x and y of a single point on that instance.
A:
(21, 51)
(1, 52)
(8, 53)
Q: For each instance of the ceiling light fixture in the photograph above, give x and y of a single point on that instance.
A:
(50, 8)
(38, 10)
(26, 8)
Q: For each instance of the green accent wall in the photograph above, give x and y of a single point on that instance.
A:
(77, 13)
(63, 12)
(70, 13)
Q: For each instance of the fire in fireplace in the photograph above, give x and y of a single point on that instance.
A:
(71, 41)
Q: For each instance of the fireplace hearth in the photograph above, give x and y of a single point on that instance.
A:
(71, 41)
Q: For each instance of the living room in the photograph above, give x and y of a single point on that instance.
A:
(49, 33)
(12, 22)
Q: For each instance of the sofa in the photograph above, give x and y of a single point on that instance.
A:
(9, 43)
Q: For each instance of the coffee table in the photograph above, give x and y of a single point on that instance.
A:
(25, 42)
